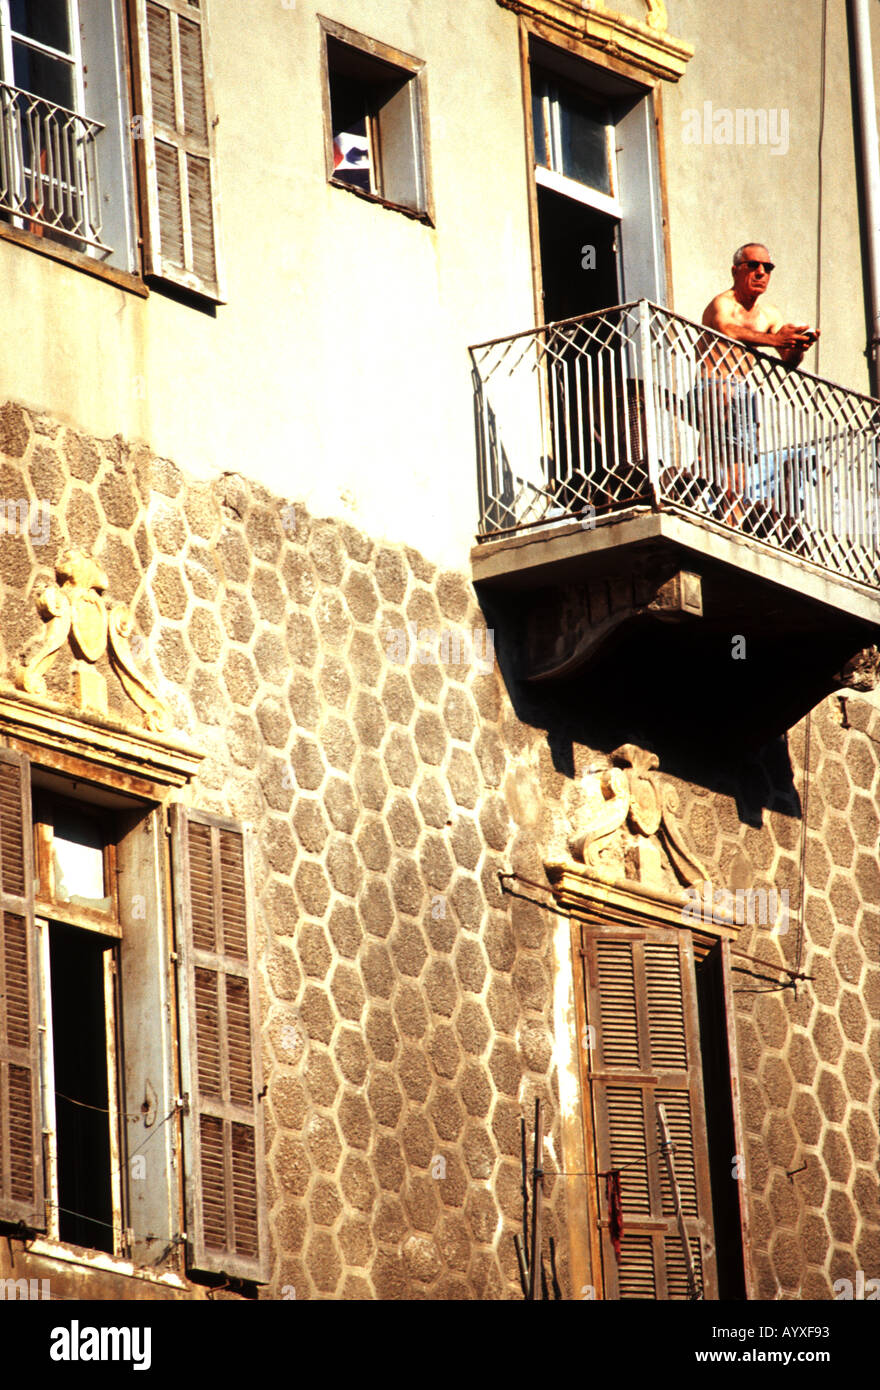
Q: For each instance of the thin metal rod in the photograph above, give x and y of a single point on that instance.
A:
(537, 1201)
(667, 1149)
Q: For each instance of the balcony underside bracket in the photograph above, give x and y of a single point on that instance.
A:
(569, 633)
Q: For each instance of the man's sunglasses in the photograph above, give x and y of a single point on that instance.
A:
(758, 265)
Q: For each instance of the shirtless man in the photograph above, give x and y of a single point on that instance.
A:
(737, 313)
(728, 410)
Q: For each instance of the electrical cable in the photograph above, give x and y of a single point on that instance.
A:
(805, 799)
(602, 917)
(101, 1109)
(93, 1220)
(823, 79)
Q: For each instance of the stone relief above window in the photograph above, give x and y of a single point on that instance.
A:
(626, 826)
(75, 613)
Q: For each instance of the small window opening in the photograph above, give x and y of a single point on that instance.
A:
(375, 126)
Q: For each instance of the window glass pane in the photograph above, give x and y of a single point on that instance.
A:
(539, 125)
(45, 77)
(351, 146)
(78, 861)
(583, 152)
(43, 20)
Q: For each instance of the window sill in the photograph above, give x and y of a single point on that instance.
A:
(416, 214)
(108, 1264)
(45, 246)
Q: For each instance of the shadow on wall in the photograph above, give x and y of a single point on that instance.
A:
(642, 691)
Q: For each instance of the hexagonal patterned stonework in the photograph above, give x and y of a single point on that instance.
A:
(379, 840)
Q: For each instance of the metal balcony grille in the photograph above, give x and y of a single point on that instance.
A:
(635, 406)
(48, 169)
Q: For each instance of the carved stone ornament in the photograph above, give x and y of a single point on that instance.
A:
(75, 612)
(628, 816)
(861, 672)
(594, 25)
(657, 16)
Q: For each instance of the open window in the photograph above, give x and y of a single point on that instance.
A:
(70, 73)
(597, 187)
(375, 120)
(65, 156)
(79, 933)
(112, 1137)
(656, 1035)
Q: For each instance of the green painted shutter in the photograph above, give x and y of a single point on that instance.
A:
(181, 242)
(223, 1129)
(641, 1000)
(22, 1193)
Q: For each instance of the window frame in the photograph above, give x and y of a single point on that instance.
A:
(49, 791)
(157, 1026)
(637, 912)
(413, 70)
(610, 81)
(127, 115)
(73, 58)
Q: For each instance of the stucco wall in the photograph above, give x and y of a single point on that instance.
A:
(804, 206)
(337, 371)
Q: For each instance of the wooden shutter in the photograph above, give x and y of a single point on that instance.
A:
(22, 1194)
(643, 254)
(220, 1047)
(401, 144)
(181, 241)
(641, 1001)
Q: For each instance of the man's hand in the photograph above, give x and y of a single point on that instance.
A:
(792, 340)
(794, 337)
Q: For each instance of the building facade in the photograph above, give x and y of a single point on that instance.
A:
(332, 839)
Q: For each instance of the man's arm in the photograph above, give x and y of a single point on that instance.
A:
(790, 340)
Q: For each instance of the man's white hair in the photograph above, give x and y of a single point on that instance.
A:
(739, 254)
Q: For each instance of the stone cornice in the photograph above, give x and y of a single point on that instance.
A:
(597, 30)
(575, 889)
(46, 726)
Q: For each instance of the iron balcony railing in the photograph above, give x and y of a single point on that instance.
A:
(635, 406)
(49, 169)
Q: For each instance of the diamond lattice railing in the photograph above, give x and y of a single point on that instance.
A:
(637, 406)
(49, 169)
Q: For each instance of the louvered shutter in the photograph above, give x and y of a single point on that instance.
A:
(22, 1195)
(220, 1049)
(182, 236)
(641, 1001)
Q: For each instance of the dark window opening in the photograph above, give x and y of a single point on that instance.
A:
(579, 269)
(351, 112)
(724, 1171)
(80, 982)
(44, 21)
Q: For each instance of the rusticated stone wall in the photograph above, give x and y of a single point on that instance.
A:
(407, 1001)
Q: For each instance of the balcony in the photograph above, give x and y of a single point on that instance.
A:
(650, 489)
(49, 170)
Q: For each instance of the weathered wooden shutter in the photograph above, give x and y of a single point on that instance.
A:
(401, 143)
(22, 1194)
(643, 254)
(641, 1001)
(181, 241)
(220, 1047)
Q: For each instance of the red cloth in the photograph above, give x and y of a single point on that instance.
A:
(615, 1208)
